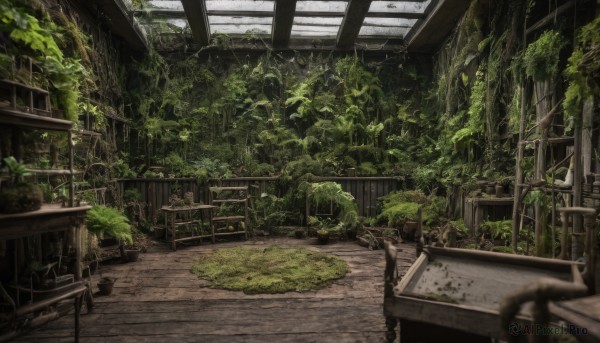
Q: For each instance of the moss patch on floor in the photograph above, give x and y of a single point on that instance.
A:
(269, 270)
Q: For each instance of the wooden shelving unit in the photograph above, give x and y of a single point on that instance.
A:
(27, 237)
(227, 200)
(185, 216)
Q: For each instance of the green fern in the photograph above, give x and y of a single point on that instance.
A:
(109, 221)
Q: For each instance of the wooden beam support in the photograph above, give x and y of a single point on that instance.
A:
(550, 17)
(168, 13)
(430, 32)
(195, 11)
(121, 22)
(282, 22)
(352, 22)
(370, 45)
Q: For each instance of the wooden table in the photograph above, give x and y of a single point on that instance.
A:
(454, 295)
(49, 218)
(582, 316)
(171, 221)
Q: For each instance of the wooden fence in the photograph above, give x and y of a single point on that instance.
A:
(155, 192)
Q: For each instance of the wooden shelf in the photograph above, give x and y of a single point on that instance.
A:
(217, 189)
(230, 233)
(54, 171)
(87, 133)
(554, 140)
(228, 201)
(186, 222)
(9, 116)
(228, 218)
(24, 86)
(50, 218)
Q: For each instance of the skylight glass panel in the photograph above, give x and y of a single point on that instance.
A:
(165, 4)
(322, 6)
(180, 23)
(241, 29)
(389, 31)
(324, 21)
(225, 20)
(315, 31)
(387, 22)
(240, 5)
(399, 6)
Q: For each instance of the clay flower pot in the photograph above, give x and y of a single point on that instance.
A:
(132, 255)
(323, 236)
(105, 285)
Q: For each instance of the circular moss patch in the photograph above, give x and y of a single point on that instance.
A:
(269, 270)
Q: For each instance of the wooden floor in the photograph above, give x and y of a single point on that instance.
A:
(157, 299)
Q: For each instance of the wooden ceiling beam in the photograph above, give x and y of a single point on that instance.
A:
(429, 32)
(120, 23)
(282, 22)
(356, 11)
(177, 14)
(195, 11)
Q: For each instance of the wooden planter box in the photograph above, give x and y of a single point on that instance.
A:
(455, 294)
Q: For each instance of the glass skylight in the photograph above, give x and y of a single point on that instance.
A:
(312, 18)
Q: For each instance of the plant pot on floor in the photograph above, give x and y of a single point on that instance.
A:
(159, 232)
(131, 255)
(323, 237)
(105, 285)
(409, 230)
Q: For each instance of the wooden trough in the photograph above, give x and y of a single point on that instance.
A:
(454, 295)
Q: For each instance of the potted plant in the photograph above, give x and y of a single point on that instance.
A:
(345, 210)
(105, 285)
(19, 196)
(106, 221)
(324, 228)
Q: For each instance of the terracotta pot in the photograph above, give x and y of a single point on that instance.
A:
(323, 237)
(105, 285)
(132, 255)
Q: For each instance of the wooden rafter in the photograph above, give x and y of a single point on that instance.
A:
(352, 22)
(169, 13)
(429, 32)
(195, 11)
(121, 23)
(283, 21)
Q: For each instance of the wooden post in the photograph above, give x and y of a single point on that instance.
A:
(390, 280)
(519, 173)
(576, 246)
(542, 91)
(586, 137)
(419, 233)
(564, 236)
(71, 171)
(589, 220)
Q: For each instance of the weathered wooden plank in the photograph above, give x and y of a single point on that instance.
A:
(158, 299)
(195, 11)
(365, 336)
(282, 22)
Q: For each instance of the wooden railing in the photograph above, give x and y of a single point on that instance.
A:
(155, 192)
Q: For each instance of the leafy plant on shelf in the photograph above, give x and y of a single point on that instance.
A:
(19, 196)
(35, 38)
